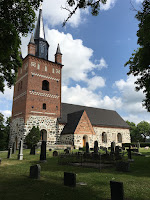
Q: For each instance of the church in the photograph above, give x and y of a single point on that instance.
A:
(37, 102)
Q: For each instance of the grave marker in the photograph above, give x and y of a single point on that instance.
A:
(35, 171)
(69, 179)
(43, 151)
(20, 154)
(117, 192)
(14, 148)
(9, 152)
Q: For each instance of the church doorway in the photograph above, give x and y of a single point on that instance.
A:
(85, 139)
(43, 135)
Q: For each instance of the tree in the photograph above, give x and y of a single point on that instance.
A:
(82, 4)
(33, 137)
(139, 63)
(4, 132)
(134, 132)
(16, 17)
(144, 129)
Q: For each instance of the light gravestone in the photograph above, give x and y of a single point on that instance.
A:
(20, 154)
(14, 148)
(9, 152)
(117, 192)
(35, 171)
(43, 152)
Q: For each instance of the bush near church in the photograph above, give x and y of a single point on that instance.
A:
(33, 137)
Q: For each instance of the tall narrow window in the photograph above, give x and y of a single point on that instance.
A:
(104, 137)
(119, 137)
(44, 106)
(45, 85)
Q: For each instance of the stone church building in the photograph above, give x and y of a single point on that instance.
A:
(37, 102)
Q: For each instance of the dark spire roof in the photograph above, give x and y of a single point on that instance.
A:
(39, 30)
(32, 39)
(58, 50)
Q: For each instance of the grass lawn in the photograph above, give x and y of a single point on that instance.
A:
(16, 184)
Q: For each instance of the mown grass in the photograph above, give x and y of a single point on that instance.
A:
(16, 184)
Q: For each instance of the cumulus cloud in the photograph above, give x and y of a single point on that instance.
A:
(7, 95)
(139, 1)
(6, 113)
(110, 4)
(95, 82)
(83, 96)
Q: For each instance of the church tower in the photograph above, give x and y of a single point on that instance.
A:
(37, 91)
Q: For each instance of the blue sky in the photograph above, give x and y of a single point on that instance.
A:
(94, 50)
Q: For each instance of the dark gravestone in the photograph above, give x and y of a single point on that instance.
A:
(9, 152)
(129, 153)
(95, 147)
(35, 171)
(112, 147)
(55, 153)
(117, 192)
(43, 151)
(0, 161)
(87, 147)
(69, 179)
(14, 148)
(66, 151)
(32, 151)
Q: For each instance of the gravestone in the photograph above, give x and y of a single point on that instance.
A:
(43, 151)
(96, 147)
(66, 151)
(32, 151)
(129, 153)
(112, 147)
(117, 192)
(20, 154)
(87, 147)
(9, 152)
(55, 153)
(138, 145)
(0, 161)
(35, 171)
(69, 179)
(14, 148)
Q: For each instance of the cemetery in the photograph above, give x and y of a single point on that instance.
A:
(96, 173)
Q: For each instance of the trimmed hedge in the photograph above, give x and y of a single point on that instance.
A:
(134, 144)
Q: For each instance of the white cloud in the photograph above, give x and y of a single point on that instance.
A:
(101, 64)
(110, 4)
(6, 113)
(139, 1)
(83, 96)
(95, 82)
(137, 118)
(8, 94)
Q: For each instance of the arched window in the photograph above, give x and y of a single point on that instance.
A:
(44, 106)
(45, 85)
(104, 137)
(119, 138)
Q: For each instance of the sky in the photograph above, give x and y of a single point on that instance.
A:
(94, 50)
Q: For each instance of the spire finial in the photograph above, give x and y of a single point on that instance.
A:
(58, 50)
(32, 39)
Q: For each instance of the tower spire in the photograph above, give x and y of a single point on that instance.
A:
(39, 30)
(58, 49)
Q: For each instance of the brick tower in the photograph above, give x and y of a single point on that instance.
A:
(37, 91)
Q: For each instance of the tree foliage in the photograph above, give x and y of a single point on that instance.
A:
(33, 137)
(4, 132)
(139, 63)
(94, 5)
(17, 18)
(140, 131)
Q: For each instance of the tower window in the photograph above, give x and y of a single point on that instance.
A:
(45, 85)
(44, 106)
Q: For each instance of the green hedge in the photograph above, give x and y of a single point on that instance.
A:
(134, 144)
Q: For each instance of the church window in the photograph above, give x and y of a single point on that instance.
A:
(45, 85)
(38, 66)
(44, 106)
(53, 70)
(104, 137)
(46, 68)
(119, 137)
